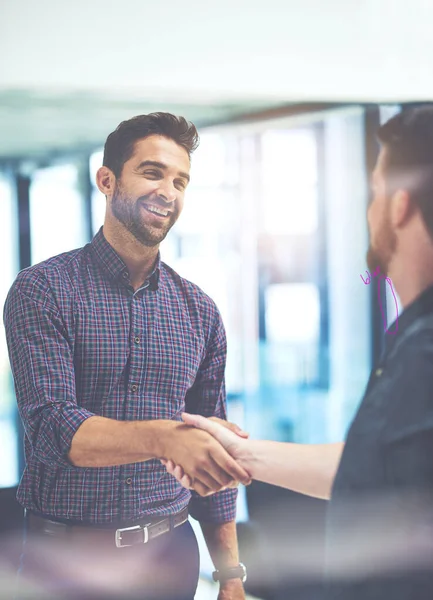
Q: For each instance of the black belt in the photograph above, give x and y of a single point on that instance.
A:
(123, 536)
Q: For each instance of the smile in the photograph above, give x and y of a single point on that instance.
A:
(156, 210)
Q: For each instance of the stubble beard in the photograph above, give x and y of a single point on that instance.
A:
(381, 254)
(129, 212)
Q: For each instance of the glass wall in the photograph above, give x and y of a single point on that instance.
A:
(9, 472)
(57, 224)
(97, 199)
(57, 214)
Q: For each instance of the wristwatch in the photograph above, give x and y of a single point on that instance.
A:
(239, 572)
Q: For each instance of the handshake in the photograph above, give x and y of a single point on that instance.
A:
(208, 454)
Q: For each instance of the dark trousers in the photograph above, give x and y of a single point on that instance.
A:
(166, 568)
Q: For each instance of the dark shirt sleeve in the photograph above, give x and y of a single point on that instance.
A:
(41, 358)
(408, 435)
(207, 397)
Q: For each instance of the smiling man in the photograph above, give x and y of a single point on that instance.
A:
(108, 346)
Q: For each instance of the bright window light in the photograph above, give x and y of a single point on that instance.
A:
(289, 200)
(292, 313)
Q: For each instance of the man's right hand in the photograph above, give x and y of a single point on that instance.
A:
(202, 458)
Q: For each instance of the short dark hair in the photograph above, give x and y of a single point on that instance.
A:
(119, 146)
(407, 139)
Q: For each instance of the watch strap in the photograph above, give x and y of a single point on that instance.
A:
(238, 572)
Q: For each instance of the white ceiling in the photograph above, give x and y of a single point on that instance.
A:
(71, 70)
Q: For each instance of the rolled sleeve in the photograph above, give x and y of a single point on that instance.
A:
(42, 364)
(219, 508)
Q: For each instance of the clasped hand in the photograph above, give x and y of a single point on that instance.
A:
(204, 457)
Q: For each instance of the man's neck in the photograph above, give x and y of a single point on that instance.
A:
(139, 259)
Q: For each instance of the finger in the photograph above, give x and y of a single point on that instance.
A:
(222, 434)
(198, 486)
(193, 420)
(164, 462)
(178, 472)
(230, 466)
(202, 489)
(212, 476)
(183, 479)
(221, 477)
(232, 426)
(233, 484)
(236, 429)
(186, 481)
(170, 467)
(241, 433)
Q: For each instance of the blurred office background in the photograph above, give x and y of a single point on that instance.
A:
(287, 97)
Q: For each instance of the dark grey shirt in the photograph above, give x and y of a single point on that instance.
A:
(380, 534)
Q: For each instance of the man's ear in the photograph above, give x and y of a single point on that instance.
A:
(401, 207)
(106, 181)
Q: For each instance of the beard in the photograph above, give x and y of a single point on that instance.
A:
(130, 213)
(381, 253)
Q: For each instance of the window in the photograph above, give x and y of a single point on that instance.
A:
(98, 200)
(289, 170)
(57, 215)
(8, 269)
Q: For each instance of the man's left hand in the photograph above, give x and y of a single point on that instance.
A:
(232, 589)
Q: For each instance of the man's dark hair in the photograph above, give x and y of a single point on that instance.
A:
(119, 146)
(407, 139)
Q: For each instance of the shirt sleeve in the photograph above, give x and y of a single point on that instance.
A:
(207, 397)
(41, 358)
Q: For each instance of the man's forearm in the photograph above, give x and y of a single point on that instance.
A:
(305, 468)
(102, 442)
(222, 542)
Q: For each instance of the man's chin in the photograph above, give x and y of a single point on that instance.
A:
(374, 262)
(150, 239)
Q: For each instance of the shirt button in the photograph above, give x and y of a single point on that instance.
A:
(125, 275)
(134, 388)
(128, 481)
(137, 340)
(379, 372)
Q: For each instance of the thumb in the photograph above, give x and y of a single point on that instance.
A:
(232, 426)
(220, 433)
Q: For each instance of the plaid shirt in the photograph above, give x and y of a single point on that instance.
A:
(82, 343)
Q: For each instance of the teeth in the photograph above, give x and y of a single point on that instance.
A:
(158, 211)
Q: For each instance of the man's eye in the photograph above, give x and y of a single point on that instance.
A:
(153, 174)
(181, 185)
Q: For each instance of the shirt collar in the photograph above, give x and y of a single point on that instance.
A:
(420, 307)
(114, 266)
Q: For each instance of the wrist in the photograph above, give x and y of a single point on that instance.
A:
(163, 430)
(236, 574)
(231, 583)
(247, 456)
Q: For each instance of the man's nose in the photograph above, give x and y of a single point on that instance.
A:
(166, 193)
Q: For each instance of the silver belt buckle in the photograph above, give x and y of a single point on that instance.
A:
(118, 535)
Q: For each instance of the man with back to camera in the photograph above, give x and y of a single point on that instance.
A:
(108, 345)
(380, 482)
